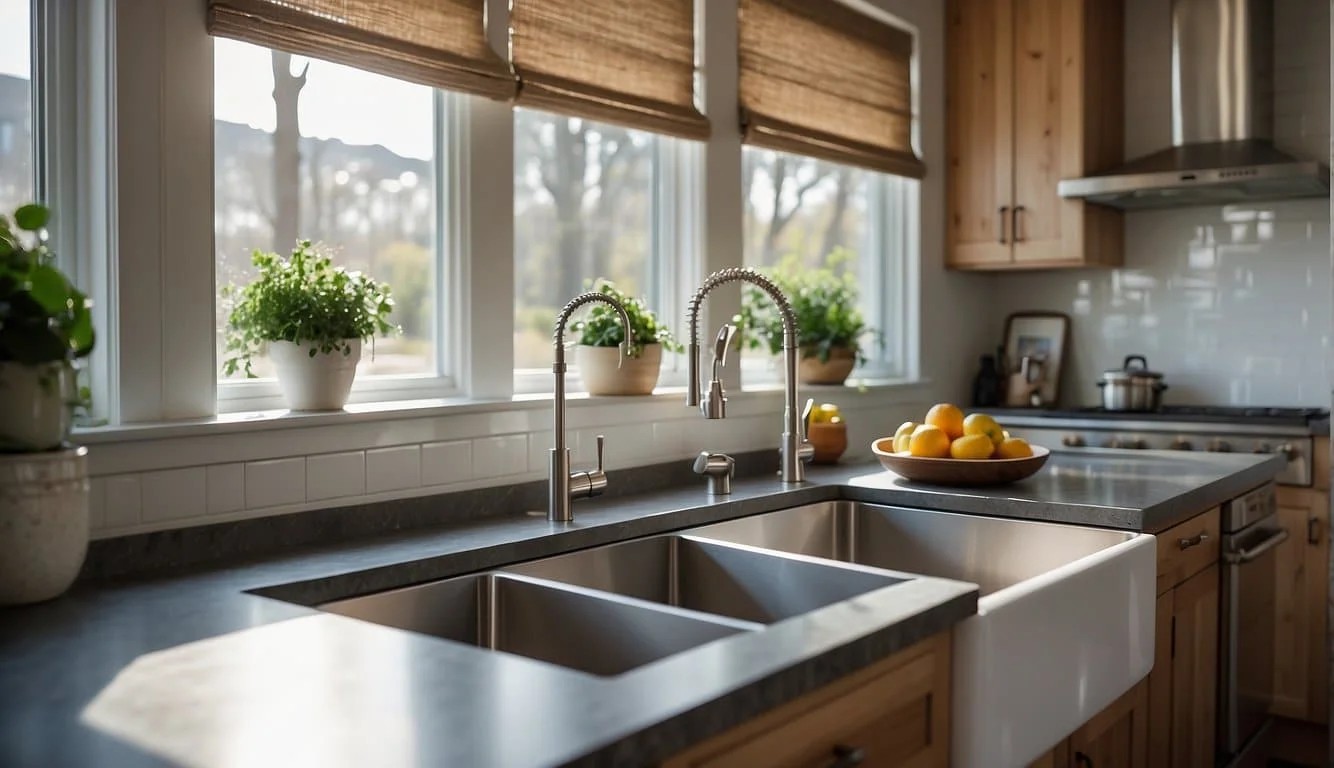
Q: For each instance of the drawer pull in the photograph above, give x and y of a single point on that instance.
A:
(1193, 541)
(847, 757)
(1313, 531)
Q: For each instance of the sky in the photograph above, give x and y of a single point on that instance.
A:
(15, 45)
(337, 102)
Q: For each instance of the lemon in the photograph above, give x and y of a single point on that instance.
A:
(929, 441)
(902, 434)
(1014, 448)
(948, 418)
(982, 424)
(824, 413)
(972, 447)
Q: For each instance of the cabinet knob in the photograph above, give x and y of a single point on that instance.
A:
(1083, 760)
(846, 756)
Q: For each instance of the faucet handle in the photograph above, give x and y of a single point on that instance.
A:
(718, 468)
(602, 441)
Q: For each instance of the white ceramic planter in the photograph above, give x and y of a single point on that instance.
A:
(35, 411)
(635, 376)
(43, 523)
(319, 383)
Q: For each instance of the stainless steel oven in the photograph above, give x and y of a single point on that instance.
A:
(1248, 613)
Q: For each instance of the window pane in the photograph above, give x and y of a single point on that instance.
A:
(338, 156)
(583, 209)
(16, 177)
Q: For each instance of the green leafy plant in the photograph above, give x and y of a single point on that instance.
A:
(602, 326)
(824, 301)
(303, 298)
(43, 317)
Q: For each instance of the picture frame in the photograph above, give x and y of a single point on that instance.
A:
(1043, 335)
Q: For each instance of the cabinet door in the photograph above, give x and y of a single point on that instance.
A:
(1195, 669)
(1300, 661)
(979, 102)
(1066, 61)
(1116, 737)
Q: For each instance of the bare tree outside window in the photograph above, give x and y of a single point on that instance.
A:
(583, 209)
(308, 149)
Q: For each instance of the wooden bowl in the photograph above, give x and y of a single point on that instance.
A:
(958, 471)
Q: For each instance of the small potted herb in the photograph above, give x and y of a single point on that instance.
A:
(598, 353)
(824, 300)
(45, 326)
(311, 317)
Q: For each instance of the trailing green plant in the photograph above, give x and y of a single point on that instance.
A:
(303, 298)
(601, 327)
(824, 301)
(43, 317)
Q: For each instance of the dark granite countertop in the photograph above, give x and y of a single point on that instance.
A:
(226, 665)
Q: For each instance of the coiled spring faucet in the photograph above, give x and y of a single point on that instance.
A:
(794, 450)
(562, 484)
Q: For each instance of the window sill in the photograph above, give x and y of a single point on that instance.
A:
(751, 400)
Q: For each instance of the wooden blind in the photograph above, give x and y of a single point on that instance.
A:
(441, 43)
(630, 62)
(818, 78)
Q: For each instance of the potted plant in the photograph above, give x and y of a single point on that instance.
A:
(45, 325)
(598, 354)
(824, 301)
(311, 317)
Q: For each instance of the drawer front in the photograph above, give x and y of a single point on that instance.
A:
(1188, 548)
(898, 717)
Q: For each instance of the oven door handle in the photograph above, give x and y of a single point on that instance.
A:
(1247, 555)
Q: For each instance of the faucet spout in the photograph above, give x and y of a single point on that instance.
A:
(562, 484)
(794, 450)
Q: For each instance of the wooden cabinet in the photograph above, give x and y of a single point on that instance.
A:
(1301, 658)
(894, 713)
(1183, 686)
(1117, 737)
(1026, 107)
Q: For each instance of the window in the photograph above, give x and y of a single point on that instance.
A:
(338, 156)
(16, 136)
(589, 201)
(802, 207)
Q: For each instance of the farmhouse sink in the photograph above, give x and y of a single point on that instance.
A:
(1064, 620)
(596, 633)
(711, 577)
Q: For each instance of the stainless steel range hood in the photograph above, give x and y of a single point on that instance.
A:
(1222, 120)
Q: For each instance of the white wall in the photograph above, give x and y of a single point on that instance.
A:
(1232, 304)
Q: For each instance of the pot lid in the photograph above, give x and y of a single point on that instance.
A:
(1134, 367)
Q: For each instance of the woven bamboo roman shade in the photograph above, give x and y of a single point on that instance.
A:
(818, 78)
(630, 62)
(441, 43)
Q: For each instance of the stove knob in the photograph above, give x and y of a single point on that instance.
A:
(1289, 451)
(1114, 442)
(1263, 448)
(1182, 444)
(1219, 445)
(1073, 441)
(1138, 444)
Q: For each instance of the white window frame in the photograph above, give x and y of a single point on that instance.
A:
(673, 263)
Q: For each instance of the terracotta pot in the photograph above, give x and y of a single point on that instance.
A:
(35, 410)
(636, 376)
(829, 441)
(318, 383)
(43, 523)
(841, 362)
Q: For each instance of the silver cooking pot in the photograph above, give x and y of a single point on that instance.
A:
(1132, 387)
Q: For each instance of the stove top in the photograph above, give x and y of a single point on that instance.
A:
(1217, 414)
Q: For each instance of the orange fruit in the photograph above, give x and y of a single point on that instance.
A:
(948, 418)
(1014, 448)
(902, 434)
(982, 424)
(972, 447)
(929, 442)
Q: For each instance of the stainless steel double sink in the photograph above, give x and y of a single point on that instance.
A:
(613, 608)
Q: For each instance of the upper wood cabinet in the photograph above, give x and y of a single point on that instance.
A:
(1033, 96)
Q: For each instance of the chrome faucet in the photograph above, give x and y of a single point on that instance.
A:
(562, 484)
(794, 450)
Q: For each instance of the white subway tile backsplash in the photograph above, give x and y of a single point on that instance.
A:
(226, 488)
(499, 456)
(393, 469)
(123, 499)
(275, 481)
(444, 463)
(539, 451)
(173, 494)
(669, 438)
(333, 475)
